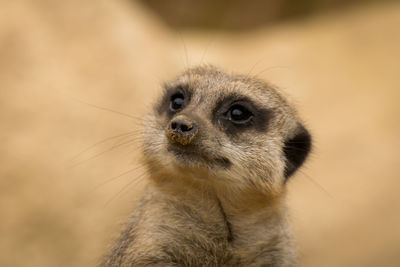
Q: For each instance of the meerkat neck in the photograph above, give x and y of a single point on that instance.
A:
(253, 224)
(258, 226)
(253, 219)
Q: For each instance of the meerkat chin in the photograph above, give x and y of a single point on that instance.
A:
(219, 149)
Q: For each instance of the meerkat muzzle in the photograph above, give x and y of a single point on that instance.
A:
(181, 130)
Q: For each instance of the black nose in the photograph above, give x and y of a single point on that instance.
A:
(181, 130)
(184, 127)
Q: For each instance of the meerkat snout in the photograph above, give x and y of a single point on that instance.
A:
(181, 130)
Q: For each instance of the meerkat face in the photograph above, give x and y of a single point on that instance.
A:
(228, 129)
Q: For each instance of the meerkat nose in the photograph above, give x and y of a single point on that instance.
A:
(182, 126)
(181, 130)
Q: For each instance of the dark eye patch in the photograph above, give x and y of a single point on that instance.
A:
(237, 113)
(174, 99)
(177, 102)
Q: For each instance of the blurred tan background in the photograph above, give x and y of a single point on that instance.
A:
(61, 204)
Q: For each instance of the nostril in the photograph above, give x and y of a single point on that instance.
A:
(186, 127)
(174, 125)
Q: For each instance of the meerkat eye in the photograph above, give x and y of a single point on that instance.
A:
(177, 102)
(239, 114)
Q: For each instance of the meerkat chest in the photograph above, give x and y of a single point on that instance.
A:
(180, 232)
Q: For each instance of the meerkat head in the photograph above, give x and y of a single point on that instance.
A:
(225, 129)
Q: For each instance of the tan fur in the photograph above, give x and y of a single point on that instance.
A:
(199, 212)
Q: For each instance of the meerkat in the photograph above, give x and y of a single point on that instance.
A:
(219, 149)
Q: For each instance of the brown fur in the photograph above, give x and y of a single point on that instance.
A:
(221, 203)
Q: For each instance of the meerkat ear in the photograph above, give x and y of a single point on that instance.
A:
(296, 150)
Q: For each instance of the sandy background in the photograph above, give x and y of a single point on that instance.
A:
(59, 203)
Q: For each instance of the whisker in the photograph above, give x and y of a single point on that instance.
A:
(315, 183)
(271, 68)
(100, 154)
(132, 139)
(109, 110)
(206, 50)
(133, 181)
(187, 63)
(252, 68)
(100, 142)
(118, 176)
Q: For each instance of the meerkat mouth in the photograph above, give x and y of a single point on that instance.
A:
(188, 157)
